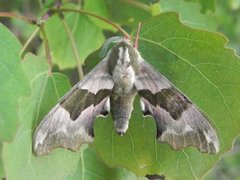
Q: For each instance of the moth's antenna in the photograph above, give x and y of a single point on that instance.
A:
(137, 36)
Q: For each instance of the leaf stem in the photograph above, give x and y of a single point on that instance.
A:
(29, 41)
(17, 16)
(47, 48)
(137, 36)
(73, 44)
(93, 15)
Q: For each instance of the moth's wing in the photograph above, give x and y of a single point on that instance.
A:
(70, 123)
(179, 122)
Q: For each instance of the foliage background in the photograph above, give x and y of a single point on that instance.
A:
(216, 16)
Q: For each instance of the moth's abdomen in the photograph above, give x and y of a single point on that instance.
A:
(121, 109)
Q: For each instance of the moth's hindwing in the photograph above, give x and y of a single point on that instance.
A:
(179, 122)
(70, 123)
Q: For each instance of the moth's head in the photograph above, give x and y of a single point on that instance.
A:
(123, 55)
(126, 51)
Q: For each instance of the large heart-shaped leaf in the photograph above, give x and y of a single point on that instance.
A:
(200, 65)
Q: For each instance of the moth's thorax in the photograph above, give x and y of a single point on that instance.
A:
(123, 80)
(123, 65)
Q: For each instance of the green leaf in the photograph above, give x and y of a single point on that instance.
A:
(128, 12)
(228, 166)
(2, 174)
(229, 25)
(99, 8)
(60, 163)
(19, 161)
(13, 83)
(190, 14)
(207, 5)
(200, 65)
(89, 167)
(86, 35)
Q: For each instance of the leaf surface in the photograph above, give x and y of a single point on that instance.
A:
(90, 167)
(200, 65)
(98, 7)
(60, 163)
(86, 35)
(2, 174)
(207, 5)
(45, 91)
(13, 83)
(193, 18)
(128, 12)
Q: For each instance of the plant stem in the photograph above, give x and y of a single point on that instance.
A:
(29, 41)
(47, 48)
(75, 51)
(93, 15)
(137, 36)
(17, 16)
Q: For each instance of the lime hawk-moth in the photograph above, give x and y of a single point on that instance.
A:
(112, 87)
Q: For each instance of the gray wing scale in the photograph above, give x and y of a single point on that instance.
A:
(179, 122)
(70, 123)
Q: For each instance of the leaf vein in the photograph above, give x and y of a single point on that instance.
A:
(194, 67)
(40, 100)
(133, 149)
(190, 166)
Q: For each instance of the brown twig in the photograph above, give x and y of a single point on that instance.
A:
(42, 29)
(17, 16)
(47, 48)
(93, 15)
(137, 36)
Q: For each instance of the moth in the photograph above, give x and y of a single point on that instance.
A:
(111, 87)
